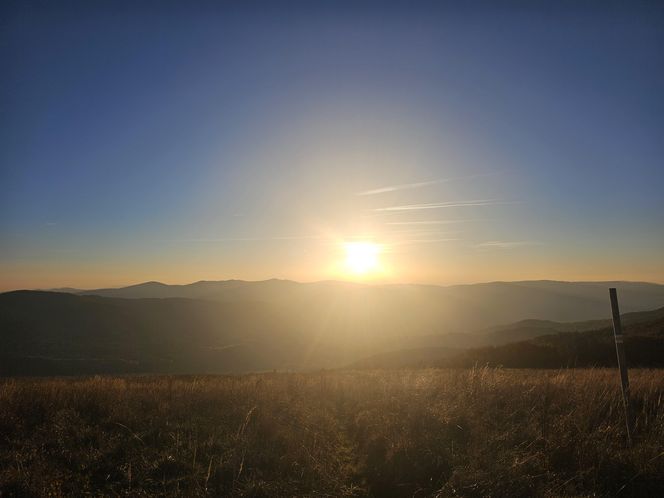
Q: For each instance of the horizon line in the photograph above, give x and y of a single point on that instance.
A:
(63, 289)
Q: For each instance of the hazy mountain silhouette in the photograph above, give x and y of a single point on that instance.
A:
(551, 345)
(237, 326)
(644, 346)
(47, 333)
(421, 308)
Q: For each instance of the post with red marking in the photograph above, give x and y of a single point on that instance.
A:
(622, 362)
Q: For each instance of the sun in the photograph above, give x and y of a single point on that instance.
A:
(362, 257)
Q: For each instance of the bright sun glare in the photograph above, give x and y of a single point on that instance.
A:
(361, 257)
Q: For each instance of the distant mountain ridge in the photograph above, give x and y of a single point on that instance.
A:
(644, 345)
(457, 308)
(533, 343)
(237, 326)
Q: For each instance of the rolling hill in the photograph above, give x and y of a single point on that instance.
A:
(237, 326)
(583, 344)
(424, 309)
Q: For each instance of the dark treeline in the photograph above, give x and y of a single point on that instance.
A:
(644, 344)
(564, 350)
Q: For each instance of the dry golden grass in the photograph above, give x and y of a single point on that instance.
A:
(475, 433)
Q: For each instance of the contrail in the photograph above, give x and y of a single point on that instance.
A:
(406, 186)
(430, 222)
(442, 205)
(422, 241)
(403, 186)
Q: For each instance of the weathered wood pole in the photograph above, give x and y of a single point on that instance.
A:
(622, 361)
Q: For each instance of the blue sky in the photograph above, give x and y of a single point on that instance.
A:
(178, 142)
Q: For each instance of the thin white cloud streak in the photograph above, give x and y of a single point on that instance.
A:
(403, 186)
(443, 205)
(420, 232)
(499, 244)
(408, 186)
(423, 241)
(431, 222)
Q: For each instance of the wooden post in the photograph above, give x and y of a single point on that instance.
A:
(622, 362)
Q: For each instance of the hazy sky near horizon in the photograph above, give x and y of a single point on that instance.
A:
(180, 141)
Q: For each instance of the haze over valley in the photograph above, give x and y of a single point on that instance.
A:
(238, 326)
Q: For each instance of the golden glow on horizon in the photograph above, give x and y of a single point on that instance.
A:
(362, 258)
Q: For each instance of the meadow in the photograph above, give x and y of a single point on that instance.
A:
(412, 433)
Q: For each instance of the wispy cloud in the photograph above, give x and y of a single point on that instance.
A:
(424, 241)
(499, 244)
(429, 222)
(407, 186)
(403, 186)
(443, 205)
(420, 231)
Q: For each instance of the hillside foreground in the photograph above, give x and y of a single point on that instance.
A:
(456, 432)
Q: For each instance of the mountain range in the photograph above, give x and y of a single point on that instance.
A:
(427, 308)
(239, 326)
(540, 344)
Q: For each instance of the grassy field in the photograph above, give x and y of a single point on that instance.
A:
(474, 433)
